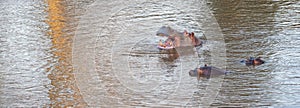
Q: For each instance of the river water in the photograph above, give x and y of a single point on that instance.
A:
(60, 53)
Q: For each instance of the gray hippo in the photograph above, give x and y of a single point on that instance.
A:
(207, 71)
(176, 37)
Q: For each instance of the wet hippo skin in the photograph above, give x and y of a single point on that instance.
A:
(253, 61)
(177, 36)
(207, 71)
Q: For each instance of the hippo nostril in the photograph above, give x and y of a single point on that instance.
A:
(242, 61)
(190, 73)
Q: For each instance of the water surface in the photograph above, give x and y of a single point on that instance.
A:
(58, 53)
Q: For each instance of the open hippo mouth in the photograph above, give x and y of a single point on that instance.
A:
(175, 37)
(170, 42)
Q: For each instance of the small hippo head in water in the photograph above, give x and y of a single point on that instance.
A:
(253, 61)
(201, 71)
(207, 71)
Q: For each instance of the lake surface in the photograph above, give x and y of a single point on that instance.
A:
(59, 53)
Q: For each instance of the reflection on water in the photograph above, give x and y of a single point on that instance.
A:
(38, 54)
(36, 39)
(64, 92)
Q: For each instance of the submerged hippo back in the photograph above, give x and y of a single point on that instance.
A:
(217, 71)
(208, 71)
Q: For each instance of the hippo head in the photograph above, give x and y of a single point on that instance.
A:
(193, 72)
(205, 70)
(202, 71)
(258, 61)
(253, 61)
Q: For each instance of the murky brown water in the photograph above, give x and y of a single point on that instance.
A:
(59, 53)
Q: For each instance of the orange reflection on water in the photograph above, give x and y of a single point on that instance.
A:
(64, 92)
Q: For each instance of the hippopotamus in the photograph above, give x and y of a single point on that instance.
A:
(207, 71)
(195, 41)
(177, 37)
(253, 61)
(168, 31)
